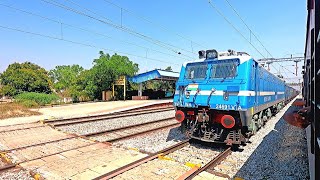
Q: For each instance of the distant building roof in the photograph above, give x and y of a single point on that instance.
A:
(155, 75)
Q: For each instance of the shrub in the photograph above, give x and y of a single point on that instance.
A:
(28, 103)
(28, 98)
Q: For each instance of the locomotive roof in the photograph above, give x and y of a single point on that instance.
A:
(242, 58)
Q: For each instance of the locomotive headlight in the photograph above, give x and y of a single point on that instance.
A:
(211, 54)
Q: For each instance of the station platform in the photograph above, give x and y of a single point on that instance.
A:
(82, 109)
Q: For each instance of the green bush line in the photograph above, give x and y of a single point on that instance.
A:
(32, 99)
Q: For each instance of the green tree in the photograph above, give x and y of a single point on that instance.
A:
(168, 68)
(106, 69)
(86, 86)
(64, 79)
(24, 77)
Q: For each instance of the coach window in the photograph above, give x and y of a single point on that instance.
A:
(224, 70)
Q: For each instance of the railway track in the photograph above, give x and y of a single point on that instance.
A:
(209, 167)
(142, 161)
(7, 167)
(130, 131)
(70, 121)
(168, 154)
(10, 128)
(5, 164)
(57, 147)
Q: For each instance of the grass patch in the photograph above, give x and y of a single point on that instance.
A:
(9, 110)
(32, 99)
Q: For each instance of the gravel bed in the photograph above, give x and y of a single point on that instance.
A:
(277, 151)
(155, 141)
(13, 174)
(105, 137)
(96, 126)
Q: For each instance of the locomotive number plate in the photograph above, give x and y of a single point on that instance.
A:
(228, 107)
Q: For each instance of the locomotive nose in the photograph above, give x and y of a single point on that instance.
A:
(179, 116)
(228, 121)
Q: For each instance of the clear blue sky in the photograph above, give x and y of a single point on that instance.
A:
(280, 25)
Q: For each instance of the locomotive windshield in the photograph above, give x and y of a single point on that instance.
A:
(224, 70)
(196, 71)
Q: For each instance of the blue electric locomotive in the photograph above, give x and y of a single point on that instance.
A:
(226, 97)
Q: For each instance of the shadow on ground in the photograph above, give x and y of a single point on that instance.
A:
(175, 134)
(281, 155)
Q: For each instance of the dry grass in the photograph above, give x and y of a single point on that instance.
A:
(9, 110)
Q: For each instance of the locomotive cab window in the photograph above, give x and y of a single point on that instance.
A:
(196, 71)
(224, 70)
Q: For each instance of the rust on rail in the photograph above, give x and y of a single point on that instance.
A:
(143, 132)
(215, 161)
(127, 127)
(101, 117)
(6, 167)
(142, 161)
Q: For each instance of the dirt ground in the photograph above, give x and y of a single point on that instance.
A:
(9, 110)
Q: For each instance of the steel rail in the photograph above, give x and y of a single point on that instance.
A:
(142, 132)
(138, 109)
(99, 115)
(47, 155)
(12, 165)
(127, 127)
(6, 167)
(9, 166)
(39, 144)
(100, 118)
(215, 161)
(142, 160)
(141, 110)
(22, 128)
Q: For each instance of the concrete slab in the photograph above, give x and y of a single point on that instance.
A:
(64, 159)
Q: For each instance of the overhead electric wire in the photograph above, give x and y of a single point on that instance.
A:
(251, 32)
(128, 29)
(86, 30)
(235, 28)
(80, 43)
(123, 28)
(155, 24)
